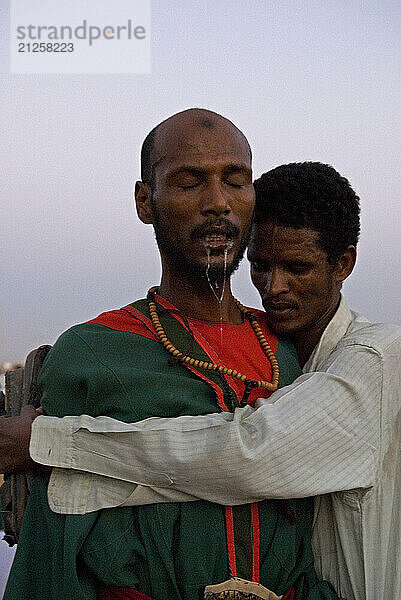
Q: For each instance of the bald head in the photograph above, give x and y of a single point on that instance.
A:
(177, 131)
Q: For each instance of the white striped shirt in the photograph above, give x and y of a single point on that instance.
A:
(334, 433)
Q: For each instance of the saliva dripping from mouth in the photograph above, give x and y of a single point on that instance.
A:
(214, 286)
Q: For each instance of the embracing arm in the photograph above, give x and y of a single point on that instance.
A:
(15, 433)
(318, 435)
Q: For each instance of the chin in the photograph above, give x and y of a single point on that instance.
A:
(282, 328)
(216, 272)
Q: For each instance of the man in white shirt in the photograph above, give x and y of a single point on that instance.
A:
(335, 432)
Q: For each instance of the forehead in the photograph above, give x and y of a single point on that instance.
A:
(269, 241)
(191, 143)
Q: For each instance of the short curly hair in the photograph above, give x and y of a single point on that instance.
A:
(311, 195)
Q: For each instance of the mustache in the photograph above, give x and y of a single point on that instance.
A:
(219, 226)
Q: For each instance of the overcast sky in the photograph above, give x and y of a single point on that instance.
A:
(307, 80)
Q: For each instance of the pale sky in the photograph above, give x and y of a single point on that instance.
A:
(304, 80)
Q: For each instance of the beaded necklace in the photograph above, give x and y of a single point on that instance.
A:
(211, 366)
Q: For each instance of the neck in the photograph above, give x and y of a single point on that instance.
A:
(193, 297)
(306, 339)
(304, 344)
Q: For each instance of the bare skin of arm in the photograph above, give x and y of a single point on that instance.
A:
(15, 434)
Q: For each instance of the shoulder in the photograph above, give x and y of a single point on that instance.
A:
(127, 319)
(381, 337)
(370, 352)
(112, 327)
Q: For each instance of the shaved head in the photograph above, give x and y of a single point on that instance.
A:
(171, 132)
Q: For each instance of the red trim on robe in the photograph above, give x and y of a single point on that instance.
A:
(290, 595)
(217, 389)
(230, 541)
(120, 593)
(255, 542)
(129, 320)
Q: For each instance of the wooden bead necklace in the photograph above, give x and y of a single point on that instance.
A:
(193, 362)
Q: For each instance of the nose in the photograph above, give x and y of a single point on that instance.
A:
(276, 282)
(215, 199)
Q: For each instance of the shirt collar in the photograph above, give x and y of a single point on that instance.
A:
(335, 330)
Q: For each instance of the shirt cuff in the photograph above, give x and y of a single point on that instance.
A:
(52, 441)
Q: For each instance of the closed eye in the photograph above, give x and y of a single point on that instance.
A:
(235, 185)
(299, 268)
(189, 186)
(237, 179)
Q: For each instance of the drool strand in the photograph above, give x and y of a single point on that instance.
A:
(220, 297)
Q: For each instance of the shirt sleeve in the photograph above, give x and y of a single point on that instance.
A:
(319, 435)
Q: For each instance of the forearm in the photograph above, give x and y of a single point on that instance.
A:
(304, 444)
(14, 441)
(316, 436)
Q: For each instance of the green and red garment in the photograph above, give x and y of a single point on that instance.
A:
(115, 366)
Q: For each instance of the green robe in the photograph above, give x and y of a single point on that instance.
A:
(167, 551)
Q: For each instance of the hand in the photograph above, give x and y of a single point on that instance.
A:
(15, 434)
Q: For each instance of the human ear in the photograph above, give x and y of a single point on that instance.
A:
(142, 202)
(345, 264)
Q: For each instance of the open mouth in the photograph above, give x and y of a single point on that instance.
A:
(217, 242)
(217, 236)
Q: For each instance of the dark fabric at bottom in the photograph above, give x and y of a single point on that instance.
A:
(120, 593)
